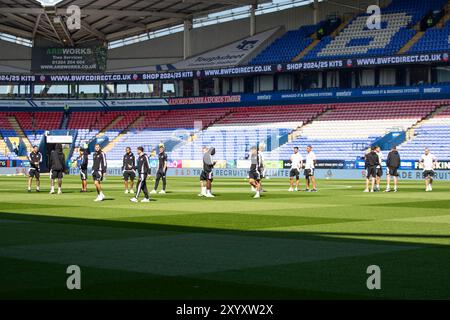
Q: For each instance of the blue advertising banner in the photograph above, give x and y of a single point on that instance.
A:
(243, 70)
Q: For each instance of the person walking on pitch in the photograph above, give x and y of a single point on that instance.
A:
(35, 158)
(162, 170)
(393, 162)
(128, 168)
(254, 173)
(99, 171)
(83, 162)
(310, 165)
(143, 168)
(296, 166)
(206, 176)
(57, 168)
(429, 163)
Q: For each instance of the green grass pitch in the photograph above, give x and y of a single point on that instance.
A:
(179, 246)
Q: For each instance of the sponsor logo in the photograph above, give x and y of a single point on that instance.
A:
(247, 45)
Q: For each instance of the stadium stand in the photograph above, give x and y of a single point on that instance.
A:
(346, 130)
(397, 20)
(287, 46)
(434, 40)
(433, 133)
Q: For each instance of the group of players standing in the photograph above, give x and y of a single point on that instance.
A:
(374, 171)
(131, 165)
(257, 171)
(141, 165)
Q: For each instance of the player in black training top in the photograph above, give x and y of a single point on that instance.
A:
(83, 162)
(35, 158)
(128, 169)
(143, 168)
(393, 163)
(372, 162)
(162, 170)
(99, 171)
(57, 167)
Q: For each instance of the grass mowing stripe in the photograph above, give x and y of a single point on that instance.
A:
(190, 253)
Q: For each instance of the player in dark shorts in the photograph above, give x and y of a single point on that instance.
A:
(392, 163)
(296, 165)
(143, 168)
(162, 170)
(206, 176)
(379, 168)
(254, 175)
(57, 168)
(128, 169)
(371, 164)
(99, 171)
(83, 161)
(35, 158)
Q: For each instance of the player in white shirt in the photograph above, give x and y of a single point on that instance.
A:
(296, 166)
(310, 165)
(429, 163)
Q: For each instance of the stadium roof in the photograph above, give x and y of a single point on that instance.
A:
(104, 20)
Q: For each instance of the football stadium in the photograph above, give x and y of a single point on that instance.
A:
(191, 150)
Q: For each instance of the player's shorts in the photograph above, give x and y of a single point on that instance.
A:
(392, 172)
(379, 172)
(160, 174)
(83, 174)
(57, 174)
(254, 175)
(371, 172)
(129, 175)
(206, 176)
(294, 173)
(33, 173)
(309, 173)
(97, 175)
(428, 174)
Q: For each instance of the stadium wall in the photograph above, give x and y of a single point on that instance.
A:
(320, 174)
(14, 58)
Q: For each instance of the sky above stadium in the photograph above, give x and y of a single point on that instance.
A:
(49, 2)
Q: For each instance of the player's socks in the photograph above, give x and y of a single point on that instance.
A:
(52, 190)
(252, 188)
(126, 191)
(257, 195)
(296, 189)
(204, 192)
(59, 191)
(153, 191)
(131, 191)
